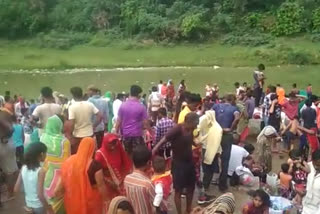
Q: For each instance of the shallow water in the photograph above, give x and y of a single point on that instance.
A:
(28, 83)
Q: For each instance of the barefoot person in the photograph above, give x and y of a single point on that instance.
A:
(183, 169)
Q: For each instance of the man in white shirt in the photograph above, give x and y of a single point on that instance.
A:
(81, 114)
(311, 202)
(45, 110)
(155, 102)
(160, 86)
(238, 153)
(116, 106)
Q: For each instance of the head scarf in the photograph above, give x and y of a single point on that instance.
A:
(117, 162)
(58, 151)
(76, 182)
(268, 131)
(115, 203)
(52, 136)
(108, 95)
(225, 204)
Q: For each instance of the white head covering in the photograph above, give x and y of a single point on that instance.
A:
(268, 131)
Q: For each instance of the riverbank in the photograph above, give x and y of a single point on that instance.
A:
(16, 55)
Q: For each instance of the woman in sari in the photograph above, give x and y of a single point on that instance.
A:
(264, 141)
(109, 98)
(116, 165)
(82, 183)
(120, 205)
(58, 151)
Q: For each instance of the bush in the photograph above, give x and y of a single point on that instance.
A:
(289, 19)
(315, 38)
(193, 26)
(299, 58)
(223, 23)
(247, 39)
(61, 40)
(316, 20)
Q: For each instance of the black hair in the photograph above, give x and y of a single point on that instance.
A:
(76, 92)
(161, 82)
(32, 101)
(46, 92)
(261, 67)
(308, 103)
(154, 89)
(249, 148)
(272, 88)
(316, 155)
(7, 98)
(285, 167)
(265, 198)
(126, 206)
(230, 97)
(313, 98)
(294, 85)
(135, 90)
(278, 85)
(191, 117)
(31, 157)
(237, 84)
(249, 93)
(292, 95)
(120, 96)
(193, 98)
(273, 97)
(140, 156)
(245, 83)
(294, 154)
(159, 164)
(162, 111)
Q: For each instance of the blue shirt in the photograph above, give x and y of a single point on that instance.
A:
(225, 114)
(17, 135)
(102, 106)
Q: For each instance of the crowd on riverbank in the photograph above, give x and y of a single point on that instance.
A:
(124, 153)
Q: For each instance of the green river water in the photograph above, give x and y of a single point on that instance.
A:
(28, 83)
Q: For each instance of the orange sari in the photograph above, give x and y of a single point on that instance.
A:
(116, 166)
(79, 196)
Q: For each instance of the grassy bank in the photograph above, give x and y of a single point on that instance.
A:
(21, 55)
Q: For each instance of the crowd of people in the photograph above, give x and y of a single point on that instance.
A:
(127, 153)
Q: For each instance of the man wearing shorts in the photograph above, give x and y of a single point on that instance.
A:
(183, 169)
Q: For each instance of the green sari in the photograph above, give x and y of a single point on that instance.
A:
(58, 151)
(108, 95)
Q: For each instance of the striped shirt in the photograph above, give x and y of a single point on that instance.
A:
(140, 192)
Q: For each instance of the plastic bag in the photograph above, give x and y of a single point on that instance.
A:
(279, 204)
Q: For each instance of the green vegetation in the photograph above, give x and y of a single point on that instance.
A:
(24, 54)
(109, 33)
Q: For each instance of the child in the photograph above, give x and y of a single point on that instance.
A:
(139, 188)
(299, 174)
(260, 203)
(285, 180)
(35, 154)
(162, 181)
(290, 133)
(18, 139)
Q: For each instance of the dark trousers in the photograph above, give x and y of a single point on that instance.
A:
(257, 95)
(226, 145)
(19, 156)
(131, 142)
(99, 138)
(209, 170)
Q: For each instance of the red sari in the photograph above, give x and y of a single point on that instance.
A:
(116, 166)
